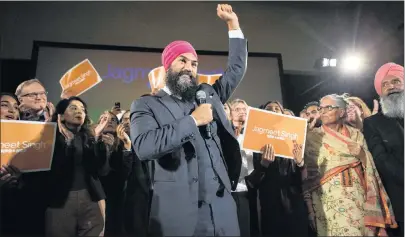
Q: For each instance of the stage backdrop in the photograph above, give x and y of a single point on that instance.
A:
(124, 71)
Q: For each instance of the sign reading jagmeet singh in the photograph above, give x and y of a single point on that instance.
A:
(79, 79)
(264, 127)
(27, 145)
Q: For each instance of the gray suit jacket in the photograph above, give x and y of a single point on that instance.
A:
(164, 137)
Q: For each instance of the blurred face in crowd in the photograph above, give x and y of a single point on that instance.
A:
(313, 112)
(227, 111)
(74, 114)
(34, 97)
(287, 112)
(9, 108)
(356, 109)
(274, 107)
(239, 112)
(392, 97)
(126, 122)
(181, 77)
(112, 123)
(330, 111)
(303, 114)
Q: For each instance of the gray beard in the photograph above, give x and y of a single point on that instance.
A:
(393, 105)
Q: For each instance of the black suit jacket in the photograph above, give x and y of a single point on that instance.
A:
(385, 141)
(59, 179)
(161, 134)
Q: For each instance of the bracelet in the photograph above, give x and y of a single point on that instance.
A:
(301, 164)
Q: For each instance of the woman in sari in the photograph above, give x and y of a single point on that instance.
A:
(343, 191)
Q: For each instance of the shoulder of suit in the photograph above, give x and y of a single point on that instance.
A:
(374, 118)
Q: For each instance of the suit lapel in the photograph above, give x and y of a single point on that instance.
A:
(171, 105)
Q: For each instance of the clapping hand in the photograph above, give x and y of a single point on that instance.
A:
(64, 130)
(103, 123)
(123, 136)
(49, 112)
(297, 153)
(9, 175)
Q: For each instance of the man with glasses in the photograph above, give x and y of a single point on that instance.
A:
(239, 112)
(34, 105)
(384, 133)
(28, 201)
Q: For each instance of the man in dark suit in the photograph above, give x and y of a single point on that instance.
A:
(192, 172)
(384, 133)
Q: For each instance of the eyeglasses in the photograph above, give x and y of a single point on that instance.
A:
(327, 108)
(240, 110)
(35, 94)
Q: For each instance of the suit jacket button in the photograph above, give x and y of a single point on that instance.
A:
(215, 178)
(195, 180)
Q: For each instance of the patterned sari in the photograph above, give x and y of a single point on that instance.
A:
(348, 196)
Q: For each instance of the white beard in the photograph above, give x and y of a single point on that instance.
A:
(393, 105)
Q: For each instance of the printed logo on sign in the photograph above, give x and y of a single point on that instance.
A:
(11, 147)
(79, 80)
(27, 145)
(276, 134)
(264, 127)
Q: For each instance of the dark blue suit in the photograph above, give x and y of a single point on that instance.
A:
(163, 134)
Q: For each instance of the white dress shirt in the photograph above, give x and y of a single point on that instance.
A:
(247, 166)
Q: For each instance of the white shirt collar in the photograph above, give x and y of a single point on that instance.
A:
(167, 90)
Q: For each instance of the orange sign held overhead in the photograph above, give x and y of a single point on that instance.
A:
(27, 145)
(79, 79)
(209, 79)
(157, 79)
(264, 127)
(158, 75)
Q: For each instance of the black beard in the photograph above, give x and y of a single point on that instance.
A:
(185, 90)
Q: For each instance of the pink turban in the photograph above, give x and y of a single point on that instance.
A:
(388, 69)
(175, 49)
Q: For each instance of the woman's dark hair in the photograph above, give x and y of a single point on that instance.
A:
(61, 108)
(11, 95)
(117, 141)
(275, 102)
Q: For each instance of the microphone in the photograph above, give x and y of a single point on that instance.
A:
(201, 97)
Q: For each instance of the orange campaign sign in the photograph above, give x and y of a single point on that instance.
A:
(79, 79)
(157, 78)
(264, 127)
(27, 145)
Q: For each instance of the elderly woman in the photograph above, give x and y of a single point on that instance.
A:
(343, 190)
(357, 111)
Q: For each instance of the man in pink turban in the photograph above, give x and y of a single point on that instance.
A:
(190, 147)
(384, 133)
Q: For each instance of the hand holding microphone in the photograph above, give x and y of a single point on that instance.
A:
(203, 113)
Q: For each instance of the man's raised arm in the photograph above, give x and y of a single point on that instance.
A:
(237, 58)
